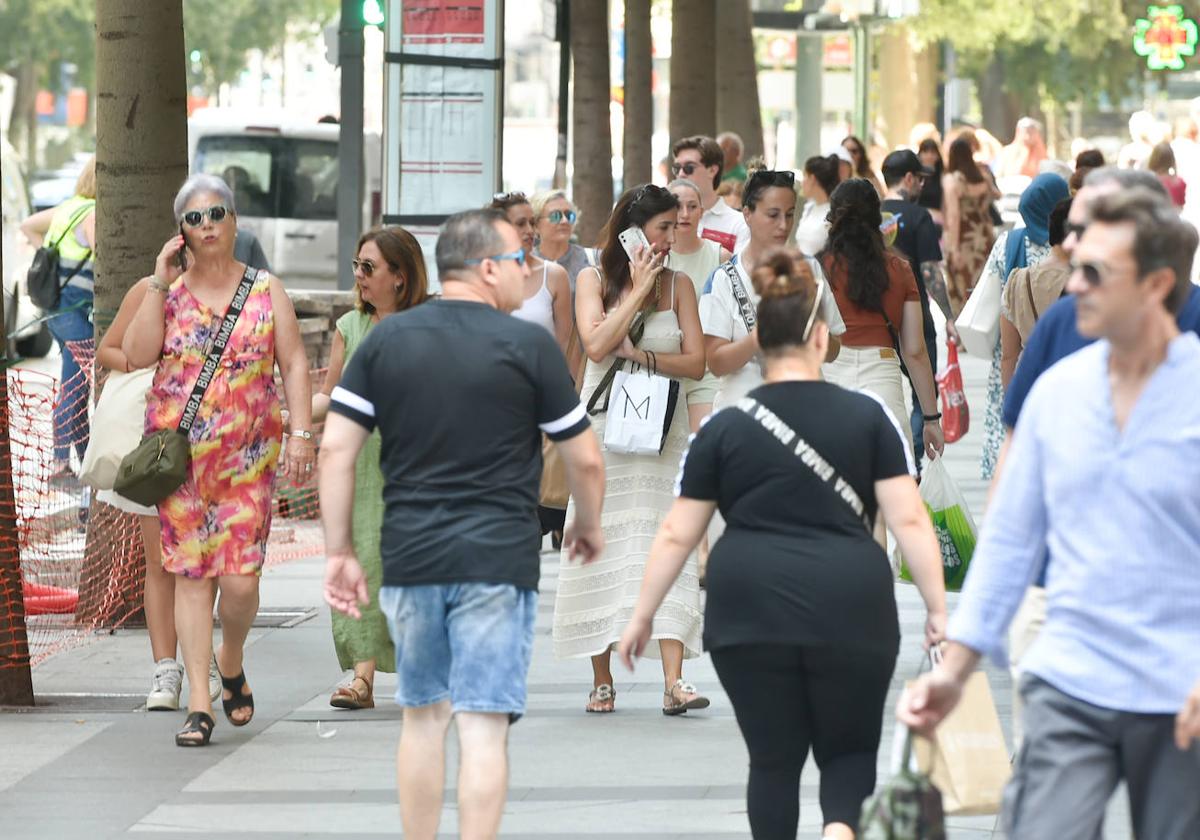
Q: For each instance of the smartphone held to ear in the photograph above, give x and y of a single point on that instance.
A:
(181, 257)
(633, 238)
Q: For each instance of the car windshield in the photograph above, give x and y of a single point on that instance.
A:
(273, 176)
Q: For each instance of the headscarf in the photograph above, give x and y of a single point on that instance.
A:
(1037, 201)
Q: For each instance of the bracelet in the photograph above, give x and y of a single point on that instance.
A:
(931, 418)
(156, 285)
(302, 434)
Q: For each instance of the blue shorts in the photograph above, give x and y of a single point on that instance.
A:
(468, 642)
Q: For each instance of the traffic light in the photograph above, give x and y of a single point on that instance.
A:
(372, 13)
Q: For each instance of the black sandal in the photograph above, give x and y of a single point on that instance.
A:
(201, 722)
(234, 686)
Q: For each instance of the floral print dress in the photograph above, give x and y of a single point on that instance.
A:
(993, 425)
(218, 521)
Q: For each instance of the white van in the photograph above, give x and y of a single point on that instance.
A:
(284, 177)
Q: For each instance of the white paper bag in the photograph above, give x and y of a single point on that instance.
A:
(637, 412)
(117, 425)
(979, 322)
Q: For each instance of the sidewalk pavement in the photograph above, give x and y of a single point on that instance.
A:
(89, 762)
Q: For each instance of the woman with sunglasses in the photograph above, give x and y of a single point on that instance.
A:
(727, 308)
(633, 313)
(800, 619)
(862, 163)
(554, 218)
(878, 296)
(549, 304)
(389, 277)
(215, 525)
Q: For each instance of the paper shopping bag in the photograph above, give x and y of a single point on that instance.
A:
(639, 413)
(967, 758)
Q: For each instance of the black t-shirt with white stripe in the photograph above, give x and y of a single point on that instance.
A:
(796, 565)
(459, 392)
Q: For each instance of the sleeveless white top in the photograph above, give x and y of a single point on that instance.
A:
(539, 309)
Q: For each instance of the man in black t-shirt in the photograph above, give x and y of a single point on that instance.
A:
(460, 391)
(917, 239)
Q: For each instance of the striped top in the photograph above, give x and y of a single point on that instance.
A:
(1119, 512)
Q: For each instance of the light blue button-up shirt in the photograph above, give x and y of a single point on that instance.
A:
(1120, 515)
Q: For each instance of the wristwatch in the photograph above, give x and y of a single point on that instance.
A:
(303, 434)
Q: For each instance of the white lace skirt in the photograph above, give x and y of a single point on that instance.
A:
(595, 602)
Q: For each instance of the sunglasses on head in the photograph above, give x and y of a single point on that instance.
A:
(685, 168)
(557, 216)
(367, 267)
(515, 197)
(216, 214)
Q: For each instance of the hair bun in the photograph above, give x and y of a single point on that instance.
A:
(782, 273)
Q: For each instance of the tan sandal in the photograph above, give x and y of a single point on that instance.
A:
(673, 705)
(348, 697)
(601, 696)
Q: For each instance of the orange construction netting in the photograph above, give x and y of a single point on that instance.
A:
(81, 560)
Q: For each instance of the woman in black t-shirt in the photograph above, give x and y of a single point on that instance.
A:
(801, 619)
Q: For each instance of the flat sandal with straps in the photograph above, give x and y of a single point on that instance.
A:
(673, 706)
(602, 694)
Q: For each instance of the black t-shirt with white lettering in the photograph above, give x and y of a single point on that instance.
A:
(459, 392)
(796, 564)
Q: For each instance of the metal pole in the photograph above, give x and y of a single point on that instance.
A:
(810, 58)
(350, 139)
(862, 81)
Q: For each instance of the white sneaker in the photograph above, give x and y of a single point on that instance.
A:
(164, 690)
(214, 679)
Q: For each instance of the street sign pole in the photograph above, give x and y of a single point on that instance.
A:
(350, 139)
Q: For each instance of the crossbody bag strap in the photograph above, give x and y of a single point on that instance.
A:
(741, 296)
(75, 220)
(218, 349)
(806, 455)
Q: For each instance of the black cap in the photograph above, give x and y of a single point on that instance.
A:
(900, 163)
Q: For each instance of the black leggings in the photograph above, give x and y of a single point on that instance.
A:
(788, 698)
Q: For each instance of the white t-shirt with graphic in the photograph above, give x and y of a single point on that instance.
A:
(725, 226)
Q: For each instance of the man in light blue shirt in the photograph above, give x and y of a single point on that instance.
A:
(1102, 472)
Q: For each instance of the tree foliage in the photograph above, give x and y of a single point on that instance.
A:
(224, 31)
(47, 33)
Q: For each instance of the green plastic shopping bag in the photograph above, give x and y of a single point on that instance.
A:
(952, 522)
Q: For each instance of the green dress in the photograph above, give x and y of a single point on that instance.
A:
(360, 639)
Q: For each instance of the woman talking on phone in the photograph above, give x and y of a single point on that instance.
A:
(632, 312)
(215, 525)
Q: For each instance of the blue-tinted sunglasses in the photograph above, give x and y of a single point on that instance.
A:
(517, 256)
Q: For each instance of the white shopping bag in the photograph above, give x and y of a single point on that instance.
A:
(637, 413)
(117, 425)
(979, 322)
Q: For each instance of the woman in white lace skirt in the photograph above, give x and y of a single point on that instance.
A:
(638, 314)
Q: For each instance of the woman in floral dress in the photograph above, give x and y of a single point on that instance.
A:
(215, 525)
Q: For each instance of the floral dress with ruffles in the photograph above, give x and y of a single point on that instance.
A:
(218, 521)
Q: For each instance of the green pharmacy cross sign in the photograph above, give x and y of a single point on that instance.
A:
(1164, 37)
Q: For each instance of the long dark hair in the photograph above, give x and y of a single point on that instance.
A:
(855, 243)
(962, 159)
(636, 206)
(863, 167)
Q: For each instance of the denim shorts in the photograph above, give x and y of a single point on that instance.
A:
(470, 643)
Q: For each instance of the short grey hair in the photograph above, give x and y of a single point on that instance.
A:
(203, 183)
(1126, 179)
(734, 138)
(686, 182)
(469, 235)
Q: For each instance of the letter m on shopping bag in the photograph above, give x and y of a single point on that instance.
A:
(636, 411)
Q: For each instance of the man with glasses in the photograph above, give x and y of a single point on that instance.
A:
(700, 160)
(459, 390)
(917, 238)
(1101, 474)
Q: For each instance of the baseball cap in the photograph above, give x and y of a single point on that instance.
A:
(903, 161)
(842, 153)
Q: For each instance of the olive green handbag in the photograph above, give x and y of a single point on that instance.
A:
(159, 465)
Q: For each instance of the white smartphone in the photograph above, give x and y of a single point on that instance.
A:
(633, 238)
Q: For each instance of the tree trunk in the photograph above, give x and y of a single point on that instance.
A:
(639, 98)
(16, 678)
(24, 112)
(693, 69)
(998, 104)
(737, 76)
(141, 161)
(592, 141)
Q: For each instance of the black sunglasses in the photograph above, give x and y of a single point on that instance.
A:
(1092, 274)
(216, 214)
(686, 168)
(1077, 229)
